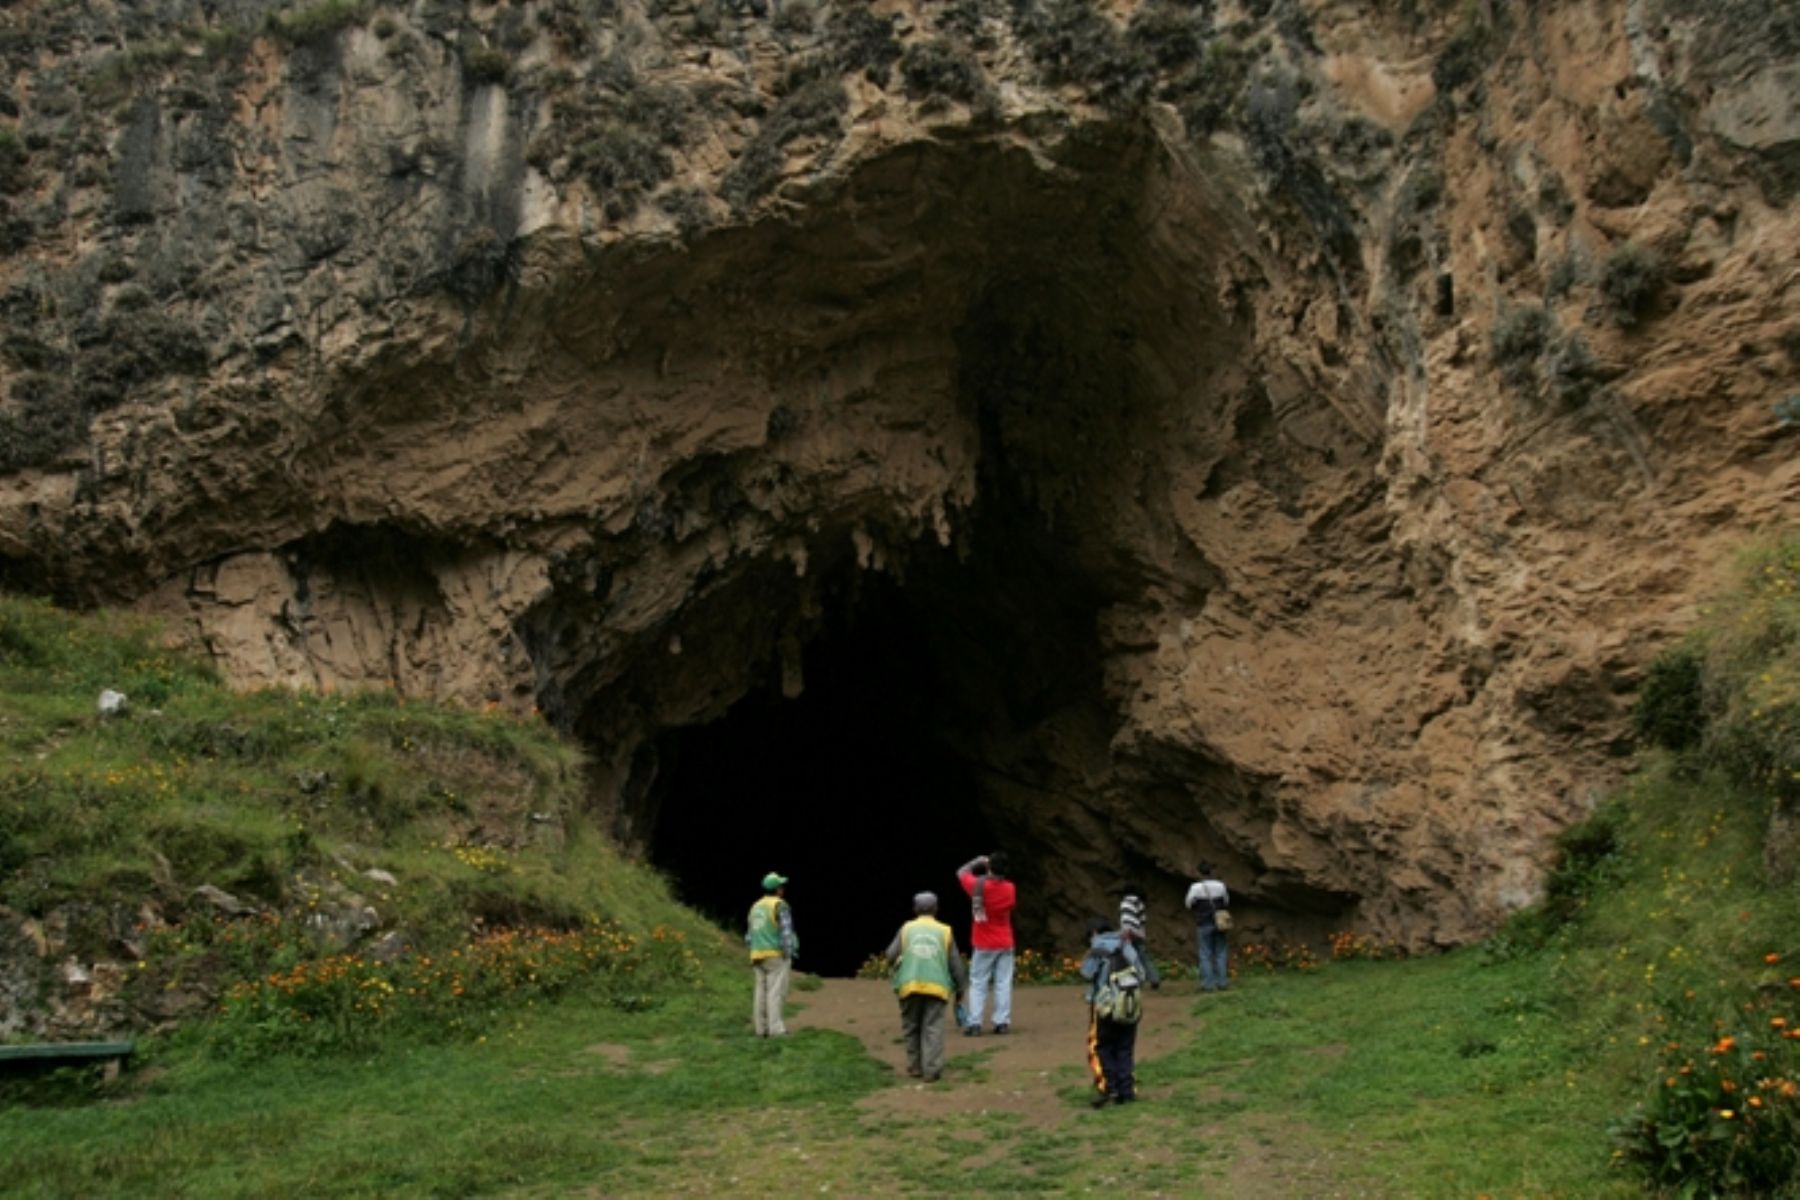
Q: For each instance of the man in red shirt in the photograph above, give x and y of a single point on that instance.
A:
(993, 897)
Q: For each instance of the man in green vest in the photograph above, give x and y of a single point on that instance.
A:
(928, 974)
(773, 948)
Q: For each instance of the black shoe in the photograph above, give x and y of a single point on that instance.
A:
(933, 1078)
(914, 1072)
(1002, 1029)
(971, 1031)
(1101, 1100)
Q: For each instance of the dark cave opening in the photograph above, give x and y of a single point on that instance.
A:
(854, 789)
(952, 705)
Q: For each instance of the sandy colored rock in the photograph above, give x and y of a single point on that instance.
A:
(374, 375)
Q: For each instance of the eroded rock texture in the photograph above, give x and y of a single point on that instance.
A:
(1274, 432)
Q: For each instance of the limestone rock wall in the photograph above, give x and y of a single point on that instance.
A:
(1390, 385)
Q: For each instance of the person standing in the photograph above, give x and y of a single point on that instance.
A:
(992, 896)
(1207, 900)
(1134, 927)
(928, 973)
(1116, 974)
(773, 948)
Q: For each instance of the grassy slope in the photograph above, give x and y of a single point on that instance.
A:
(281, 798)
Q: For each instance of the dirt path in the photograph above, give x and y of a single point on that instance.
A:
(1019, 1074)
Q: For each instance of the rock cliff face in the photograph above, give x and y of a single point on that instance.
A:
(1277, 433)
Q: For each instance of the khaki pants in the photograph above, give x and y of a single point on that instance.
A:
(771, 976)
(922, 1024)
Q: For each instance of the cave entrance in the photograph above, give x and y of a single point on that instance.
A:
(856, 789)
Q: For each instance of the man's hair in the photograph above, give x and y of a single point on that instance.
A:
(1206, 869)
(1129, 888)
(997, 863)
(1098, 925)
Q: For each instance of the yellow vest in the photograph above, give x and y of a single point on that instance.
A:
(924, 968)
(765, 928)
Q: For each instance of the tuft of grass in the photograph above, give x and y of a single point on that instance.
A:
(1518, 340)
(308, 24)
(483, 65)
(1631, 279)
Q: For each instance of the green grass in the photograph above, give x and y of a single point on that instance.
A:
(1502, 1069)
(256, 793)
(569, 1095)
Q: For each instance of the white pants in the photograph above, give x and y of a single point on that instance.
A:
(771, 976)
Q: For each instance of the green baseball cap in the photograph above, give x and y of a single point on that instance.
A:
(771, 881)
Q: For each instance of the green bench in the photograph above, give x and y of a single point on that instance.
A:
(49, 1055)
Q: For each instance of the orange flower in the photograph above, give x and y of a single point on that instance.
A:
(1724, 1045)
(1777, 1022)
(1771, 958)
(1726, 1086)
(1755, 1102)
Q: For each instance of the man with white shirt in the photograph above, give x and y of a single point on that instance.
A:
(1206, 899)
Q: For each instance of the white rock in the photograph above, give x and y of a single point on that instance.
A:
(112, 704)
(380, 876)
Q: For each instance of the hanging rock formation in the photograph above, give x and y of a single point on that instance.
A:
(1303, 425)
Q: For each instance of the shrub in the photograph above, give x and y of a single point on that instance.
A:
(939, 69)
(1669, 711)
(1518, 339)
(1574, 372)
(315, 22)
(1072, 42)
(1464, 58)
(46, 420)
(14, 161)
(627, 129)
(1587, 857)
(484, 65)
(814, 109)
(1568, 271)
(1723, 1115)
(688, 207)
(1169, 35)
(1209, 92)
(620, 161)
(967, 21)
(1631, 278)
(797, 17)
(861, 41)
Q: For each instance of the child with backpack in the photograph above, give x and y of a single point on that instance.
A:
(1116, 975)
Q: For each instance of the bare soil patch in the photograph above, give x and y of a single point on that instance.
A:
(1020, 1074)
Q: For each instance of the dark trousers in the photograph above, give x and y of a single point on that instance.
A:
(1112, 1057)
(922, 1027)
